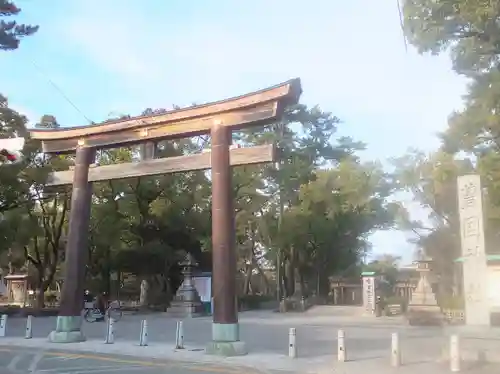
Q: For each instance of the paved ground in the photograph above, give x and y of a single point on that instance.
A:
(18, 361)
(266, 334)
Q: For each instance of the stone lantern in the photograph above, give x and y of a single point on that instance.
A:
(423, 308)
(187, 301)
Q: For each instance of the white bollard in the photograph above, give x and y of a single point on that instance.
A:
(395, 350)
(454, 353)
(179, 335)
(29, 328)
(341, 354)
(3, 325)
(292, 345)
(110, 333)
(143, 340)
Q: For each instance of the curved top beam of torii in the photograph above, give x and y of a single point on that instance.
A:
(258, 107)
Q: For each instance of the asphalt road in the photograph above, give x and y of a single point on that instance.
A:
(15, 360)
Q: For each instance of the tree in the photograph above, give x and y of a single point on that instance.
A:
(43, 229)
(432, 181)
(337, 211)
(38, 224)
(15, 180)
(154, 221)
(34, 217)
(305, 140)
(11, 33)
(471, 142)
(386, 265)
(143, 226)
(468, 27)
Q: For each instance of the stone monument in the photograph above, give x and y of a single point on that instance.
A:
(475, 269)
(423, 308)
(17, 289)
(187, 302)
(369, 291)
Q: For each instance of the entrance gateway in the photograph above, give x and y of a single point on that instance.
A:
(217, 119)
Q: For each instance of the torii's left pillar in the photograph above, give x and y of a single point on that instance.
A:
(69, 320)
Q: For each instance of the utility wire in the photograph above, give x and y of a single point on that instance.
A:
(53, 84)
(401, 24)
(61, 92)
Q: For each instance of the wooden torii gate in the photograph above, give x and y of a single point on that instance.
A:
(217, 119)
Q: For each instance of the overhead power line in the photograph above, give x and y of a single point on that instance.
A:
(401, 24)
(61, 92)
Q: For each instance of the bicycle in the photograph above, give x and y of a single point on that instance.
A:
(92, 314)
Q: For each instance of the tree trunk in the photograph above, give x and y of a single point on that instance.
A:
(106, 280)
(301, 283)
(168, 291)
(106, 272)
(290, 277)
(323, 284)
(264, 279)
(248, 278)
(11, 265)
(40, 298)
(143, 297)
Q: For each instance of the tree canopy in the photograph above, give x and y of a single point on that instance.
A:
(11, 32)
(317, 207)
(468, 30)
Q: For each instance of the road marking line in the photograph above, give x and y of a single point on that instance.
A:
(61, 358)
(146, 363)
(200, 366)
(97, 370)
(15, 360)
(86, 368)
(34, 362)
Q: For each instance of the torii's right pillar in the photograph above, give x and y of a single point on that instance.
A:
(225, 327)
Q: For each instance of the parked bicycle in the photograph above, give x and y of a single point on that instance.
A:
(93, 314)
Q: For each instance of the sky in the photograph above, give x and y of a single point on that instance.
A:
(121, 56)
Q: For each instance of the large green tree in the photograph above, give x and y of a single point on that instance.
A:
(296, 235)
(432, 181)
(469, 28)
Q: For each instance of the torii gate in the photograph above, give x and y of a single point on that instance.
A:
(217, 119)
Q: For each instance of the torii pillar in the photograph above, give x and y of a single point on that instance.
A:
(69, 320)
(225, 327)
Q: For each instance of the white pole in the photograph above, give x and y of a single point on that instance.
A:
(341, 354)
(179, 336)
(110, 333)
(3, 325)
(292, 346)
(143, 340)
(395, 350)
(454, 353)
(29, 328)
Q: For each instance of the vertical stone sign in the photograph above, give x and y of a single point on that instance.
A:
(369, 292)
(477, 308)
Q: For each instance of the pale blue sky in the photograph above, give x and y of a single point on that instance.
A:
(123, 56)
